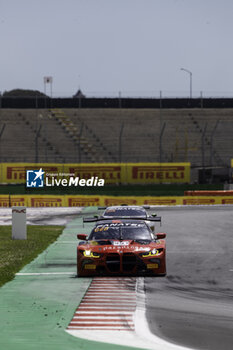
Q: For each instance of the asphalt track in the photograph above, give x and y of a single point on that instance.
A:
(193, 306)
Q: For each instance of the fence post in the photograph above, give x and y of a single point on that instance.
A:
(211, 143)
(37, 135)
(203, 151)
(211, 149)
(120, 142)
(160, 142)
(1, 132)
(79, 143)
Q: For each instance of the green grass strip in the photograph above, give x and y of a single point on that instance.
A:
(14, 254)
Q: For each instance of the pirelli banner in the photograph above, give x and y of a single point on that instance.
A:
(155, 173)
(94, 201)
(112, 173)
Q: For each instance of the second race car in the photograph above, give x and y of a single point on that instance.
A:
(125, 211)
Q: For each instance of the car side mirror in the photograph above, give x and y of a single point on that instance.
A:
(160, 235)
(82, 236)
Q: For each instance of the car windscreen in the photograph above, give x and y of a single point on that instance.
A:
(124, 211)
(121, 232)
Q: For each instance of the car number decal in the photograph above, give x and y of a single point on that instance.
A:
(117, 243)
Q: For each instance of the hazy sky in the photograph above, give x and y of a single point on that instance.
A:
(105, 46)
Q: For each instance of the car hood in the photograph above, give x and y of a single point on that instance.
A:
(120, 246)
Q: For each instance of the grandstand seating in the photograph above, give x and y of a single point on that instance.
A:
(203, 137)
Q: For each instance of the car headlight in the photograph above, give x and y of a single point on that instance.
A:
(152, 252)
(87, 253)
(90, 254)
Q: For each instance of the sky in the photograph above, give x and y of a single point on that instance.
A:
(135, 47)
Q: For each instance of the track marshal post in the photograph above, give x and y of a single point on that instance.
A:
(19, 228)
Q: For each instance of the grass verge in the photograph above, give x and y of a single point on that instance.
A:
(14, 254)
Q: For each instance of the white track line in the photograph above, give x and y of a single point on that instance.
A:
(141, 326)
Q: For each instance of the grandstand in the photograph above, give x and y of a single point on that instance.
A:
(203, 137)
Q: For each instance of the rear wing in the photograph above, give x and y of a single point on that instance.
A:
(93, 219)
(149, 218)
(125, 205)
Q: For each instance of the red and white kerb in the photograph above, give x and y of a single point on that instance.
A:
(109, 304)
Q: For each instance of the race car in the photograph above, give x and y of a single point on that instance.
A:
(121, 247)
(125, 211)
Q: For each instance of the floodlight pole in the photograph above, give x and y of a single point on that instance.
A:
(190, 76)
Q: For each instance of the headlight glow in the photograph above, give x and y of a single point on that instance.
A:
(90, 254)
(153, 252)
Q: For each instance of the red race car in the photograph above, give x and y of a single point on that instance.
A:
(121, 247)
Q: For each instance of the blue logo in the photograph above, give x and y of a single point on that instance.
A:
(35, 178)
